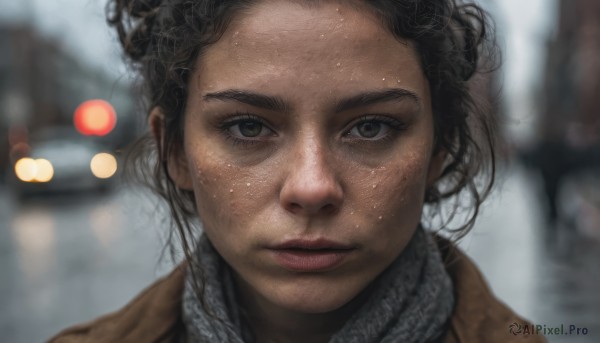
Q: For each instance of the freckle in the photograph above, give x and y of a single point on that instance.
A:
(231, 190)
(248, 184)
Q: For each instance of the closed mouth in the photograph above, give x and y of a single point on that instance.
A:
(312, 245)
(311, 258)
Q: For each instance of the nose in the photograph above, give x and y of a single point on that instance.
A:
(311, 187)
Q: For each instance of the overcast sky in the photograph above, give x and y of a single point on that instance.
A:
(78, 24)
(523, 25)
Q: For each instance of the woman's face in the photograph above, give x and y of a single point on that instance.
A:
(308, 145)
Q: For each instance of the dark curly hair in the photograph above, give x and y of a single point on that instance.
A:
(163, 39)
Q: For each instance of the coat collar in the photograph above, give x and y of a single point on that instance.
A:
(155, 314)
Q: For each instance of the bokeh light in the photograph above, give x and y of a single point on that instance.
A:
(26, 169)
(30, 170)
(103, 165)
(45, 171)
(95, 117)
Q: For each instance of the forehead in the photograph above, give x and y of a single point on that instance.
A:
(277, 19)
(327, 41)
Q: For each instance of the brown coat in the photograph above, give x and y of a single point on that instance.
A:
(155, 314)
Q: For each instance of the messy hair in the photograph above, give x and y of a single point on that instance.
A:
(162, 40)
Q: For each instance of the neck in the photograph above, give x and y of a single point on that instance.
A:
(272, 323)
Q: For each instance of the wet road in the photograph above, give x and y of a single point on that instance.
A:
(69, 259)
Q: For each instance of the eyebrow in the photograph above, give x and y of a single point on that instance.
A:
(371, 98)
(253, 99)
(277, 104)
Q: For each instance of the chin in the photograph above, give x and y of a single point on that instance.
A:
(315, 299)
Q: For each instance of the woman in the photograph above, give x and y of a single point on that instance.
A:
(307, 136)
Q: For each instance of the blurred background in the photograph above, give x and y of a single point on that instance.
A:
(77, 242)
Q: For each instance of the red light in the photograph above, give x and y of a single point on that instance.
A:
(95, 117)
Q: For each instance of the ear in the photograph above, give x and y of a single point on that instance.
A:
(436, 166)
(177, 164)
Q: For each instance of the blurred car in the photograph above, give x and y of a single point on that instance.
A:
(61, 160)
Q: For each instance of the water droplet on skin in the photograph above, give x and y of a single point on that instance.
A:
(399, 81)
(380, 217)
(338, 64)
(337, 9)
(248, 184)
(374, 186)
(342, 19)
(231, 191)
(352, 213)
(372, 172)
(374, 206)
(357, 226)
(229, 165)
(322, 36)
(236, 43)
(383, 79)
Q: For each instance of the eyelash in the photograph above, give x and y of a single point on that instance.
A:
(241, 117)
(238, 118)
(394, 124)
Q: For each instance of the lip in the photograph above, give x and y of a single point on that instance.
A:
(300, 255)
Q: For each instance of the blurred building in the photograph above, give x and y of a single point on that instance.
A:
(41, 85)
(571, 96)
(568, 136)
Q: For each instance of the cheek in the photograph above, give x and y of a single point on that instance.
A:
(226, 195)
(407, 186)
(395, 186)
(211, 195)
(389, 203)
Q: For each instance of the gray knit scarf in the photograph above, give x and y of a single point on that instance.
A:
(412, 301)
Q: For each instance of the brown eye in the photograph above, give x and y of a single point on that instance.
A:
(375, 128)
(369, 129)
(250, 128)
